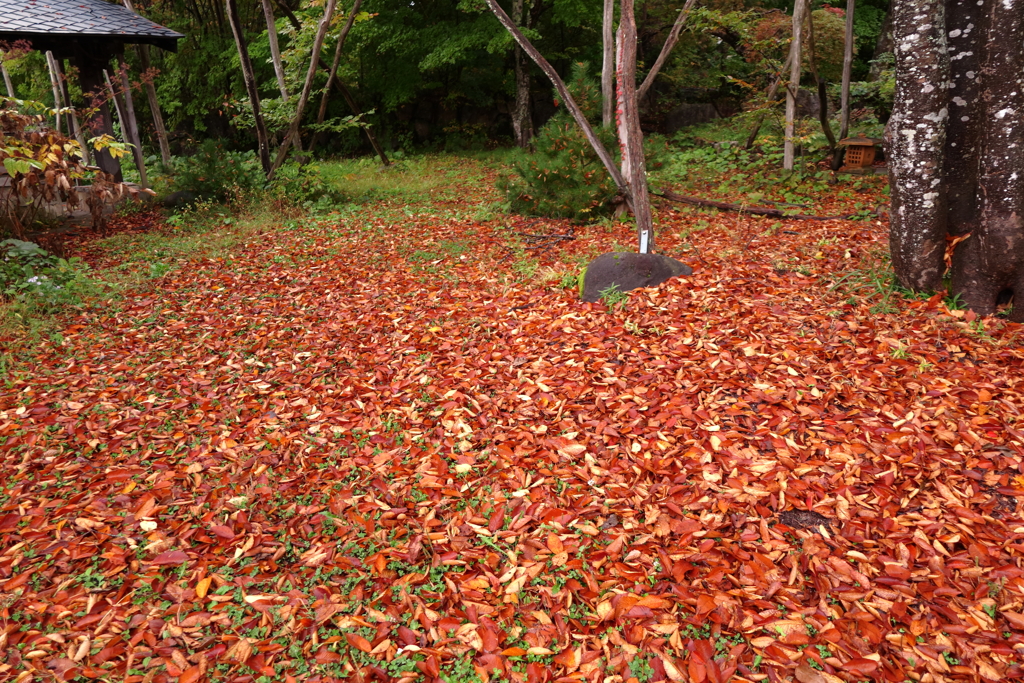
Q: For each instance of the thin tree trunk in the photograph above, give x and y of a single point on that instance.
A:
(131, 124)
(608, 65)
(154, 103)
(631, 138)
(844, 107)
(522, 125)
(55, 86)
(915, 138)
(563, 92)
(332, 77)
(673, 38)
(250, 84)
(7, 79)
(793, 87)
(275, 50)
(826, 128)
(307, 87)
(773, 89)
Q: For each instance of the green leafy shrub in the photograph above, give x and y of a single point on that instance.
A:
(31, 276)
(563, 177)
(305, 186)
(214, 173)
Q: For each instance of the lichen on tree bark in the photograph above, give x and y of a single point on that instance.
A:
(956, 149)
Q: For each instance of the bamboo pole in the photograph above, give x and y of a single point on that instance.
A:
(133, 124)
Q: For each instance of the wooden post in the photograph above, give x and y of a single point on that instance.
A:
(7, 78)
(131, 123)
(55, 87)
(793, 87)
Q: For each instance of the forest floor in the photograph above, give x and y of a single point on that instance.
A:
(389, 442)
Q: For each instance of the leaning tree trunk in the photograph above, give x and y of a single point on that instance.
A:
(608, 64)
(522, 124)
(307, 87)
(250, 84)
(631, 138)
(563, 92)
(666, 49)
(956, 149)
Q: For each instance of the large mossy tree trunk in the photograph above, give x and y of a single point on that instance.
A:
(956, 149)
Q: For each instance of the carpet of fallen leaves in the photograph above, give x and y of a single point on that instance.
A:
(388, 445)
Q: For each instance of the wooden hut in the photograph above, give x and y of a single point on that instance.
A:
(89, 33)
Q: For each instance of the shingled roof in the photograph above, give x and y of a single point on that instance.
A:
(49, 20)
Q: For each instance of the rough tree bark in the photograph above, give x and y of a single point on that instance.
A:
(670, 42)
(631, 138)
(250, 84)
(793, 86)
(608, 65)
(522, 123)
(956, 149)
(307, 87)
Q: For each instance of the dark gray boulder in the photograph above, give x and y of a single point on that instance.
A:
(628, 271)
(179, 199)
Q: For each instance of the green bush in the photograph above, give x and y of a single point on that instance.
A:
(564, 178)
(216, 174)
(305, 186)
(32, 277)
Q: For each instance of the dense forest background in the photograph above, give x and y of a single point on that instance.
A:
(438, 75)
